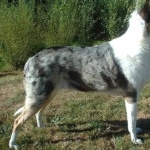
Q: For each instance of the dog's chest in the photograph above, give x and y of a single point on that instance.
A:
(134, 59)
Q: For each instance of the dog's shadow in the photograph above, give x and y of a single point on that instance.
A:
(100, 129)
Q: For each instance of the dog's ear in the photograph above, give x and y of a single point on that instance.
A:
(145, 11)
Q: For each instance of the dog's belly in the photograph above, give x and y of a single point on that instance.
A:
(97, 84)
(114, 92)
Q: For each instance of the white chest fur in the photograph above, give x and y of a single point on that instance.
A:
(132, 50)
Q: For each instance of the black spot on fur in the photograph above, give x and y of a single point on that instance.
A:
(107, 80)
(52, 66)
(38, 59)
(48, 87)
(75, 76)
(70, 49)
(34, 83)
(41, 72)
(130, 92)
(124, 84)
(121, 79)
(57, 59)
(64, 58)
(77, 82)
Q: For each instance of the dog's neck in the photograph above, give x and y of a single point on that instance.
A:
(135, 38)
(132, 50)
(137, 29)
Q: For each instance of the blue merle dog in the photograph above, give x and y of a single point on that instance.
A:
(121, 66)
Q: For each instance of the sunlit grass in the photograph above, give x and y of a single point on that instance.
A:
(73, 121)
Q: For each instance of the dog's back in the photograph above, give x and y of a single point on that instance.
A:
(82, 68)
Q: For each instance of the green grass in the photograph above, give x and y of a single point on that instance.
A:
(73, 120)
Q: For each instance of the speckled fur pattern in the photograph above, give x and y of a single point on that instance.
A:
(81, 68)
(120, 66)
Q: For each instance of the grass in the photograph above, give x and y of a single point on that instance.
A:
(73, 120)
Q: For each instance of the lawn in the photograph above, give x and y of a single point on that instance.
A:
(73, 120)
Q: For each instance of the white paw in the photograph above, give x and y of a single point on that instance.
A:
(13, 146)
(137, 141)
(138, 130)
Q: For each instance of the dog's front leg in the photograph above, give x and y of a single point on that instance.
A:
(131, 108)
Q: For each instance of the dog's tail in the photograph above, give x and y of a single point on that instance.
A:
(19, 111)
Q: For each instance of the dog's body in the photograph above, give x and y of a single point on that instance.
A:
(120, 66)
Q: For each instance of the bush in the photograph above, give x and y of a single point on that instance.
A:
(112, 17)
(27, 26)
(19, 37)
(61, 28)
(68, 20)
(16, 32)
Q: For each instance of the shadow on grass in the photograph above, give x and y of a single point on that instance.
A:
(94, 129)
(144, 124)
(101, 129)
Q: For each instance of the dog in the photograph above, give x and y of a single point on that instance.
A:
(121, 66)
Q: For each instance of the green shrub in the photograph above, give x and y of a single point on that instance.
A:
(60, 29)
(112, 17)
(17, 32)
(85, 19)
(27, 26)
(68, 20)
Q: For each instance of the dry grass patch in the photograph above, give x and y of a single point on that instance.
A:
(9, 86)
(73, 120)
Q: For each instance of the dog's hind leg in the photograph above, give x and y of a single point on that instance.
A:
(37, 97)
(28, 112)
(39, 114)
(39, 118)
(131, 108)
(18, 123)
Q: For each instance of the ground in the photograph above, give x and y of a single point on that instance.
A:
(73, 120)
